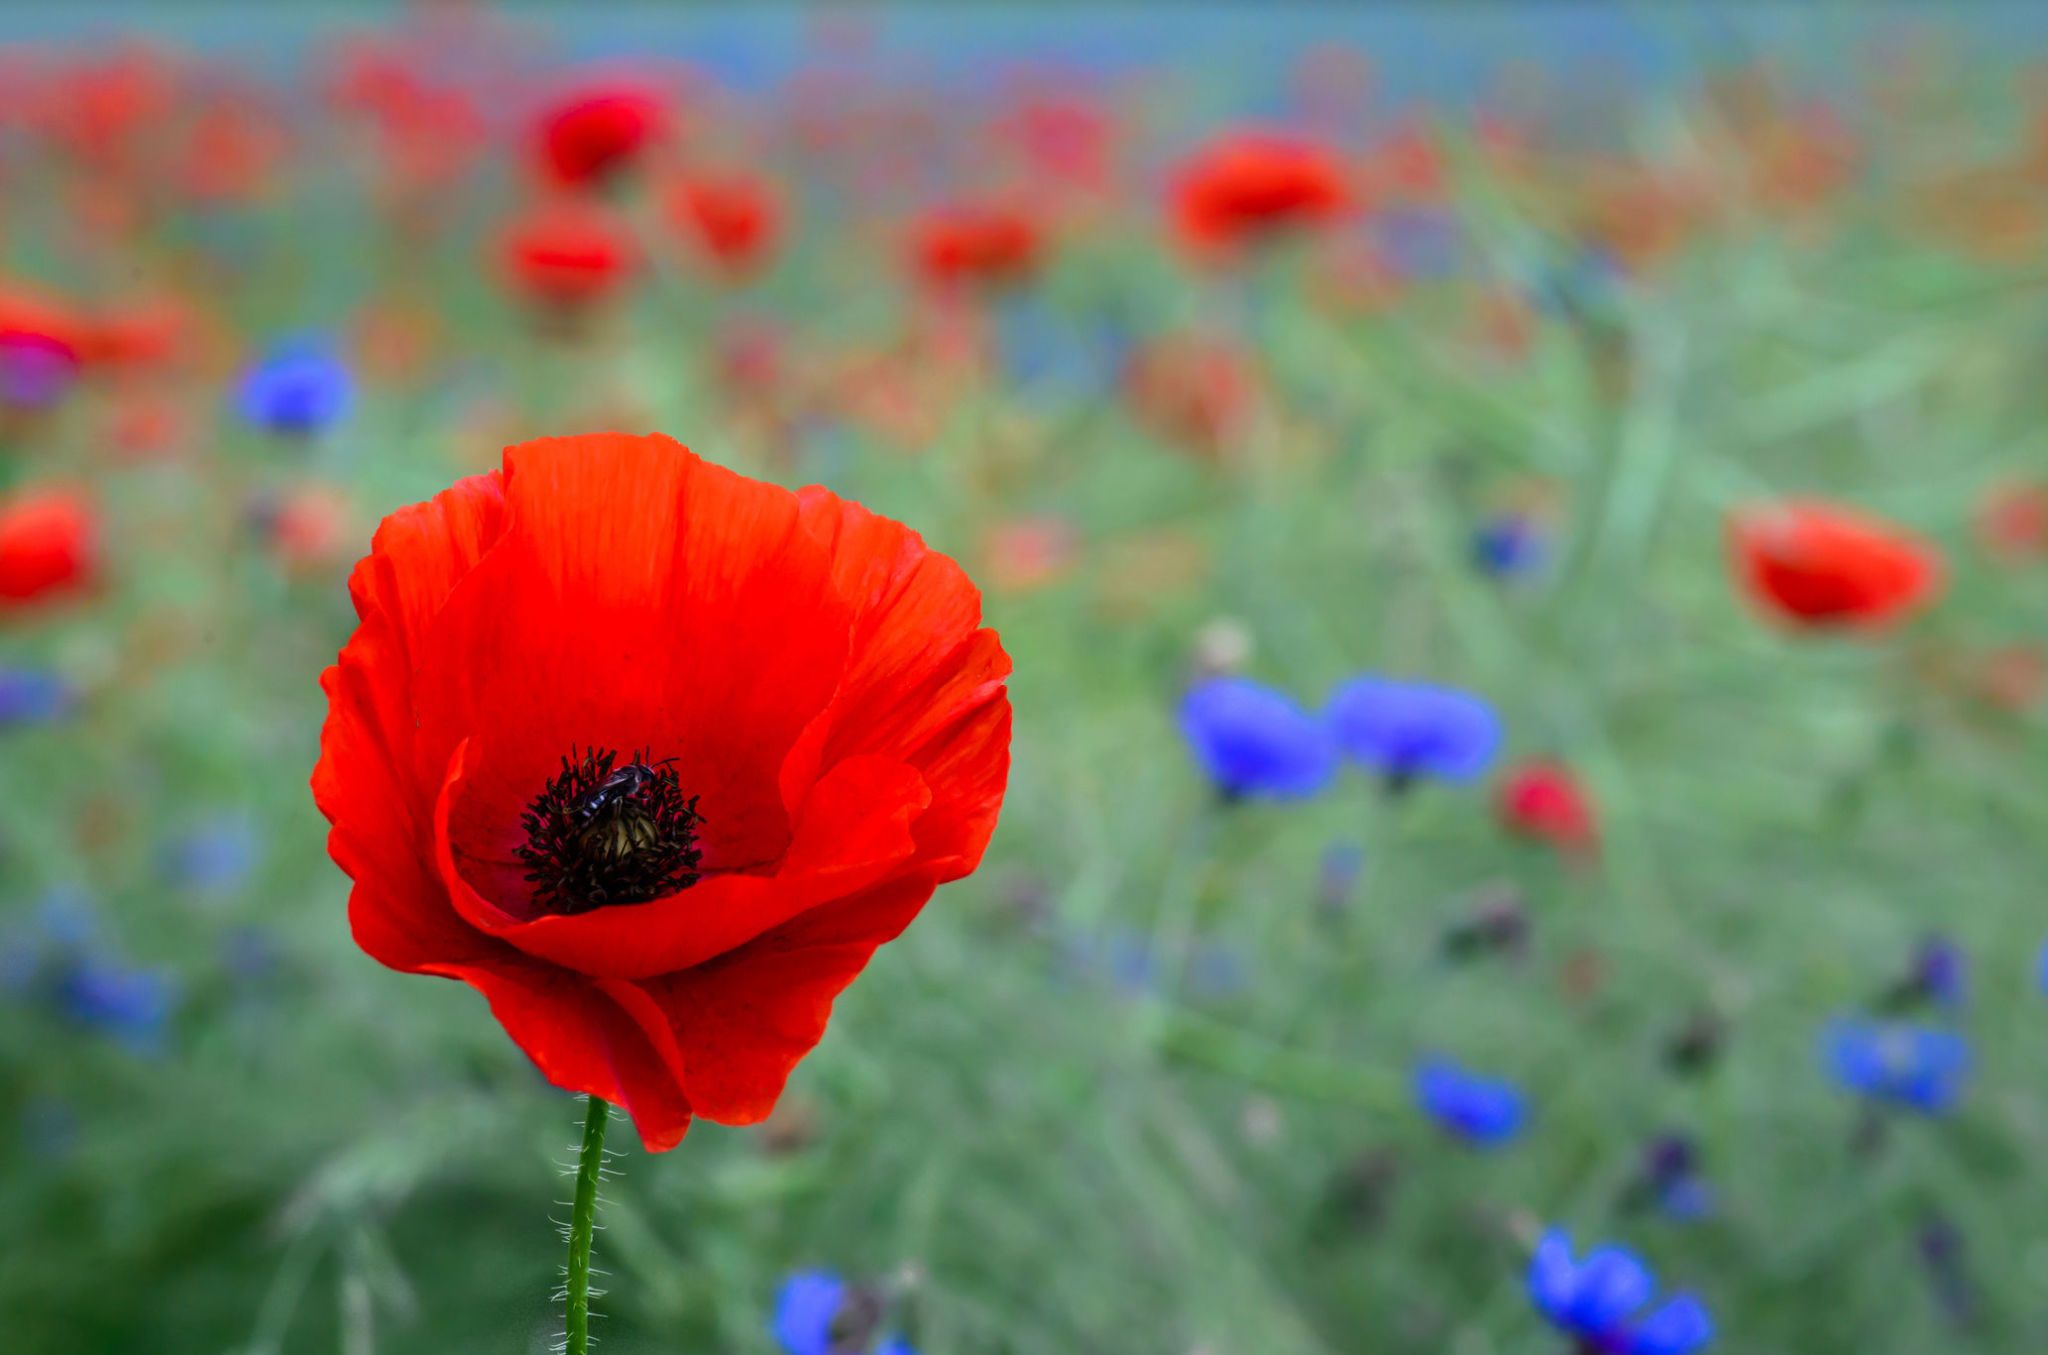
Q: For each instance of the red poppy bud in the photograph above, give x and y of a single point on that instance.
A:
(1543, 800)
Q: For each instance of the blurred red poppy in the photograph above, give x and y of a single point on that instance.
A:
(733, 219)
(143, 332)
(2012, 521)
(49, 542)
(596, 132)
(1195, 390)
(1247, 186)
(1064, 141)
(568, 253)
(231, 153)
(306, 528)
(1542, 799)
(976, 243)
(655, 756)
(1818, 565)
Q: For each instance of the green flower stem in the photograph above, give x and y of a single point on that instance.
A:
(582, 1222)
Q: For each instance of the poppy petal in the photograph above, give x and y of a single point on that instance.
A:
(744, 1020)
(609, 1042)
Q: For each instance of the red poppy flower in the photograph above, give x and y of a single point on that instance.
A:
(654, 756)
(1247, 186)
(594, 133)
(734, 219)
(1816, 564)
(985, 244)
(1543, 800)
(48, 546)
(568, 253)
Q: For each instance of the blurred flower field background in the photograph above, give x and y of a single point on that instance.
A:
(1523, 534)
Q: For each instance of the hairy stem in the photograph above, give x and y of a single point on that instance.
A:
(582, 1222)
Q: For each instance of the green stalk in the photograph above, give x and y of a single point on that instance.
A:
(582, 1222)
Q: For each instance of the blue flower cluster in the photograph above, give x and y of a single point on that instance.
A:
(1919, 1068)
(1252, 740)
(1604, 1301)
(818, 1313)
(66, 966)
(1483, 1111)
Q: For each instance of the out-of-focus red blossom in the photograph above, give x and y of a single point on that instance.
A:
(142, 333)
(812, 674)
(1641, 216)
(1028, 553)
(1064, 141)
(568, 253)
(396, 340)
(1408, 167)
(733, 218)
(2012, 521)
(751, 355)
(307, 528)
(1988, 211)
(1542, 799)
(99, 108)
(2014, 677)
(1814, 564)
(979, 244)
(1245, 187)
(231, 153)
(1195, 390)
(1800, 162)
(598, 131)
(146, 423)
(49, 546)
(367, 74)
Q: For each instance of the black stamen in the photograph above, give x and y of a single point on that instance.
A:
(597, 837)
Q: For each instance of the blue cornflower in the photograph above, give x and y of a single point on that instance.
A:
(809, 1306)
(1252, 740)
(1406, 730)
(213, 858)
(1483, 1111)
(1604, 1301)
(1918, 1067)
(1509, 545)
(298, 388)
(129, 1005)
(32, 696)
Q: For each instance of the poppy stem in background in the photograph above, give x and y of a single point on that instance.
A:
(582, 1223)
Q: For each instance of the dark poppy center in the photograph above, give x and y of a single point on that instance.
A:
(600, 834)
